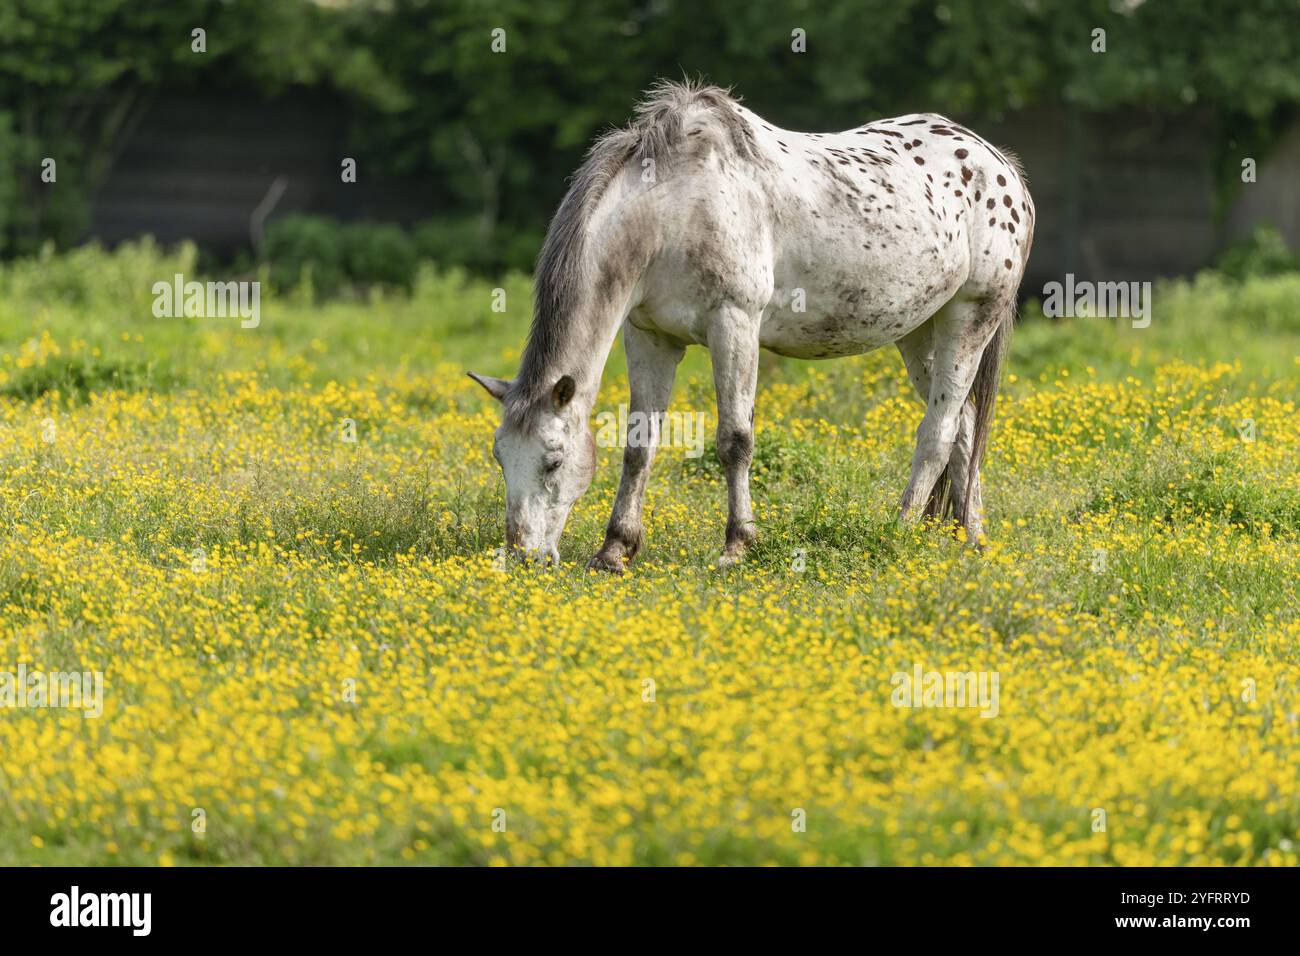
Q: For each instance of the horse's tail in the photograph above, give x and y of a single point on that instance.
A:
(983, 396)
(984, 390)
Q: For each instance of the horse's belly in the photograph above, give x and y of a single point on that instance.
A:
(828, 317)
(842, 289)
(831, 334)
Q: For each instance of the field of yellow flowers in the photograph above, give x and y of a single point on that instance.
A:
(278, 545)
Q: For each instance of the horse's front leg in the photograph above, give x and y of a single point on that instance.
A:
(733, 345)
(651, 368)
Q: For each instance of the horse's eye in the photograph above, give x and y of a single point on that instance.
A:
(553, 463)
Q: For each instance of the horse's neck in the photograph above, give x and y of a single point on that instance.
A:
(582, 337)
(594, 343)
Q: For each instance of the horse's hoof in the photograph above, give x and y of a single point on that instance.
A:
(604, 562)
(729, 559)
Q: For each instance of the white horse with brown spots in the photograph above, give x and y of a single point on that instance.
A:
(702, 224)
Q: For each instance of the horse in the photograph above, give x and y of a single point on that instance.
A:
(699, 223)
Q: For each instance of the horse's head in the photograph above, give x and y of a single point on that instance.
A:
(547, 455)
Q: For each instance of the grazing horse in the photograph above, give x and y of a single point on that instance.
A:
(699, 223)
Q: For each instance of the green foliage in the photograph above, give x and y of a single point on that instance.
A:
(79, 74)
(77, 378)
(465, 242)
(378, 254)
(326, 559)
(507, 128)
(1256, 321)
(1264, 253)
(98, 305)
(306, 249)
(499, 132)
(98, 295)
(91, 277)
(332, 256)
(990, 56)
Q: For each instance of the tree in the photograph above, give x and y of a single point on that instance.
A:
(76, 76)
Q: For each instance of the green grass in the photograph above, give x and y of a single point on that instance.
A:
(197, 434)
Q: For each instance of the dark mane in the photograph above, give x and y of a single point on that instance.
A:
(563, 275)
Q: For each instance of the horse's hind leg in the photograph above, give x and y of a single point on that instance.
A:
(918, 355)
(651, 368)
(959, 333)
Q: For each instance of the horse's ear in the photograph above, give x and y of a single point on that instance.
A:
(562, 394)
(496, 387)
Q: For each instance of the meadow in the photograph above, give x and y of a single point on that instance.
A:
(279, 546)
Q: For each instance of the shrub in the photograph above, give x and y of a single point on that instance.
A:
(1265, 253)
(90, 275)
(462, 242)
(332, 256)
(305, 249)
(375, 254)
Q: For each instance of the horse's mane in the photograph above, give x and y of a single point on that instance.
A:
(562, 273)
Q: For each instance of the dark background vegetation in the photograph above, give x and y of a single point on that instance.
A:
(483, 142)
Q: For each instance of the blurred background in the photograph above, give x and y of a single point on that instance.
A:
(1136, 156)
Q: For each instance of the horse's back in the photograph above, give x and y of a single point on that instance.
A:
(840, 242)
